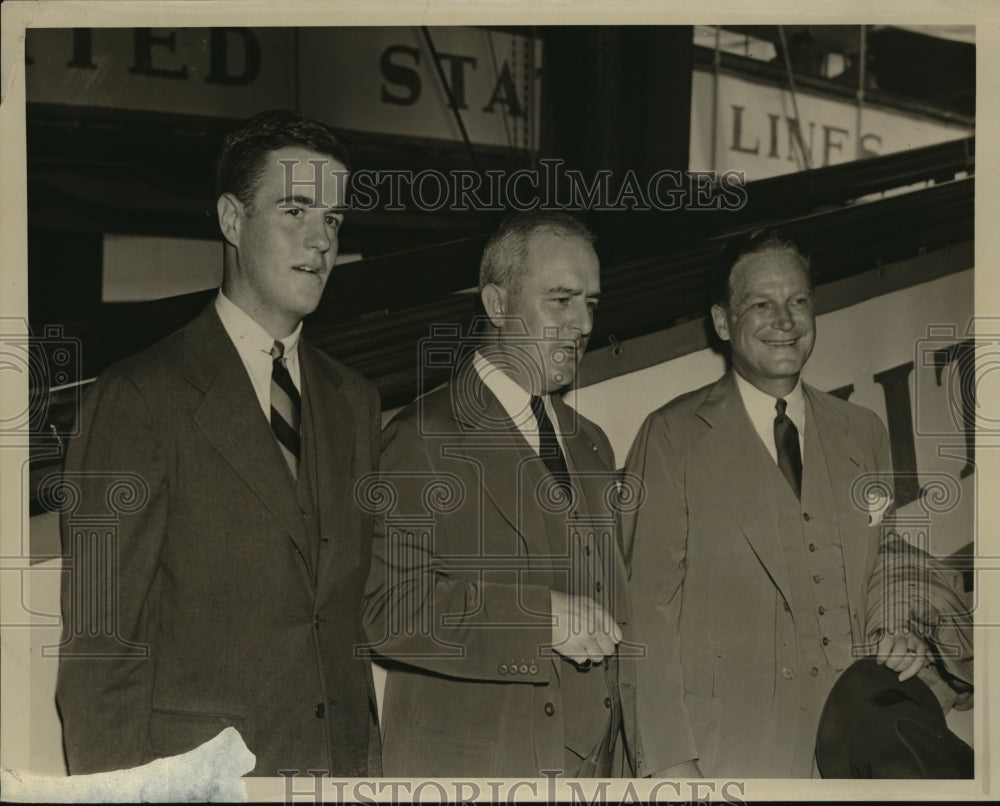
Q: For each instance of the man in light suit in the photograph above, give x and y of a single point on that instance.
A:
(237, 584)
(497, 594)
(753, 555)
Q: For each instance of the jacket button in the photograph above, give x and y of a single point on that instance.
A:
(320, 711)
(550, 709)
(817, 578)
(826, 641)
(806, 516)
(787, 673)
(598, 586)
(502, 668)
(814, 671)
(822, 610)
(812, 547)
(607, 702)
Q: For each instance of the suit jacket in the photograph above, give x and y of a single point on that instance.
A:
(710, 584)
(462, 568)
(227, 612)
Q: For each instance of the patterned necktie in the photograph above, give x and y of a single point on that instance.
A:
(286, 409)
(548, 446)
(786, 440)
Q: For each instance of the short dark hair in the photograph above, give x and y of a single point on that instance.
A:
(506, 254)
(744, 245)
(241, 158)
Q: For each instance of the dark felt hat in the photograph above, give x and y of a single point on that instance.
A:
(873, 726)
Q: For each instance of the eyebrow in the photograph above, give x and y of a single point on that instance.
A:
(306, 201)
(572, 292)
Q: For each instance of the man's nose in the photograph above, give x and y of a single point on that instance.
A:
(318, 237)
(583, 318)
(783, 319)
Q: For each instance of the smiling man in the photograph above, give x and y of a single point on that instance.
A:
(500, 603)
(240, 573)
(752, 559)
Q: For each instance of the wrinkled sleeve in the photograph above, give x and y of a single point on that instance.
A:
(655, 549)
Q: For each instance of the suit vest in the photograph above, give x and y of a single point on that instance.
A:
(811, 543)
(588, 695)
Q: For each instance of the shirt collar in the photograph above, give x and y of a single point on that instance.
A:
(512, 396)
(246, 332)
(760, 404)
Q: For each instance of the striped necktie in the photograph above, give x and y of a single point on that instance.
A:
(286, 409)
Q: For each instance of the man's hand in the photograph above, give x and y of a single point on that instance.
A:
(903, 652)
(686, 769)
(582, 630)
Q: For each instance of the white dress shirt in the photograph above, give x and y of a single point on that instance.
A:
(760, 407)
(516, 402)
(253, 343)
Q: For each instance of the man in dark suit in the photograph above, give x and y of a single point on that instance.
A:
(753, 555)
(240, 565)
(497, 594)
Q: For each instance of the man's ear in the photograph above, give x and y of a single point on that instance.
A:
(494, 299)
(721, 321)
(231, 213)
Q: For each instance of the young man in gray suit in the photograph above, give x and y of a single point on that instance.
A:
(235, 598)
(754, 553)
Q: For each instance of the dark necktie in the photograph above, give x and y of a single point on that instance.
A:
(548, 446)
(786, 440)
(286, 408)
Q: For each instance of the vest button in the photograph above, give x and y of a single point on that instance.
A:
(817, 578)
(812, 547)
(550, 709)
(814, 671)
(320, 711)
(597, 586)
(806, 516)
(787, 673)
(822, 610)
(826, 641)
(607, 702)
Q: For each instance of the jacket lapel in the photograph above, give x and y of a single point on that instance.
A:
(510, 470)
(732, 452)
(595, 481)
(333, 456)
(231, 419)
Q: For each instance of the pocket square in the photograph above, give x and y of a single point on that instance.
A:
(879, 504)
